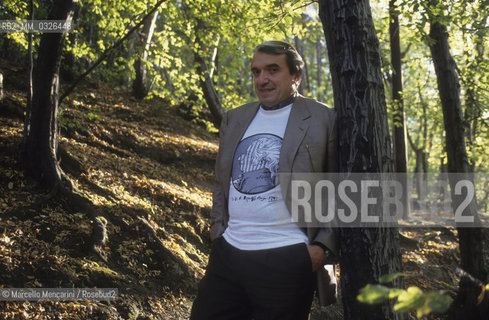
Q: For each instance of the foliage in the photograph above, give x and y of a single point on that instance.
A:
(229, 30)
(412, 298)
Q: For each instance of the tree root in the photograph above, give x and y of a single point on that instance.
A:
(159, 247)
(80, 202)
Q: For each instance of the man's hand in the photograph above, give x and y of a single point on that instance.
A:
(318, 257)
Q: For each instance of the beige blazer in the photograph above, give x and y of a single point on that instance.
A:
(309, 145)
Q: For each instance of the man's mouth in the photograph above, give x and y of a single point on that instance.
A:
(265, 90)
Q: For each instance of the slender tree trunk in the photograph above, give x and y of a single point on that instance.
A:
(1, 87)
(364, 144)
(319, 57)
(41, 142)
(399, 125)
(300, 49)
(30, 64)
(206, 83)
(420, 150)
(140, 85)
(400, 153)
(470, 239)
(214, 61)
(473, 110)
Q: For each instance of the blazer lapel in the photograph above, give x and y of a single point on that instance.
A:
(295, 131)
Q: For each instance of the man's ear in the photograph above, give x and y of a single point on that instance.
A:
(297, 79)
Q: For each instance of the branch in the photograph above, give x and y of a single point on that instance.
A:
(106, 53)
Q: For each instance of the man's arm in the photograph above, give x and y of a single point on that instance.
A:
(219, 203)
(326, 238)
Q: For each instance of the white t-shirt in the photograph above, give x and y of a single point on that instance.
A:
(258, 216)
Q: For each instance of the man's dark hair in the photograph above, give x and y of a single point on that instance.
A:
(293, 58)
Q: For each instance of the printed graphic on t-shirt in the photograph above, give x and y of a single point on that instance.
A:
(255, 163)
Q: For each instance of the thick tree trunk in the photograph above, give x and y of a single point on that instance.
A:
(41, 142)
(471, 240)
(140, 85)
(364, 144)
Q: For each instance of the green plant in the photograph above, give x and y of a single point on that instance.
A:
(410, 299)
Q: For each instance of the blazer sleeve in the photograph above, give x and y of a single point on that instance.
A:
(327, 235)
(219, 202)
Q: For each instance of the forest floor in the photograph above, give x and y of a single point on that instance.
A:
(148, 172)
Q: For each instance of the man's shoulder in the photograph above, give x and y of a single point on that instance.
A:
(316, 106)
(243, 108)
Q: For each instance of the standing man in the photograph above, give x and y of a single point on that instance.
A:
(262, 265)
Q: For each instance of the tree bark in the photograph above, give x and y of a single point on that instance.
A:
(30, 70)
(473, 110)
(41, 141)
(364, 144)
(1, 87)
(319, 60)
(399, 131)
(210, 94)
(304, 81)
(471, 240)
(140, 85)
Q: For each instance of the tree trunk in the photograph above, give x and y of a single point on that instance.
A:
(364, 144)
(470, 239)
(399, 132)
(140, 85)
(210, 94)
(1, 87)
(473, 109)
(300, 49)
(41, 142)
(421, 151)
(30, 64)
(319, 60)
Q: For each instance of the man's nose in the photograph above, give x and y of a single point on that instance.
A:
(262, 78)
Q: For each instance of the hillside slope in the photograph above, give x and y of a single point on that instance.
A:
(148, 173)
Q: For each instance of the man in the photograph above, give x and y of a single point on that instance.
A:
(262, 265)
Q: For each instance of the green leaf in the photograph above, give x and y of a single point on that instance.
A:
(412, 298)
(373, 293)
(438, 302)
(394, 293)
(388, 278)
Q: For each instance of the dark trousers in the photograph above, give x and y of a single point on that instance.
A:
(272, 284)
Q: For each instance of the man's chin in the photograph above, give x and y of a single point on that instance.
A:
(266, 101)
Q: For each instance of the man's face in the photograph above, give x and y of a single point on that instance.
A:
(272, 78)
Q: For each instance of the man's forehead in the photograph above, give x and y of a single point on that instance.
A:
(262, 59)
